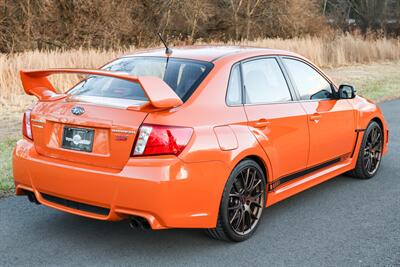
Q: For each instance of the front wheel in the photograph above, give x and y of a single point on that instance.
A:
(242, 203)
(370, 154)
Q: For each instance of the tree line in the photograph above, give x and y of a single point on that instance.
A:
(49, 24)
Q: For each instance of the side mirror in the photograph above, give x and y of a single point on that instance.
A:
(346, 91)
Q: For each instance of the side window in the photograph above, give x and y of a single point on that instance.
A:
(234, 95)
(310, 84)
(264, 82)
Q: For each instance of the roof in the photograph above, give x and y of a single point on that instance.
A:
(209, 53)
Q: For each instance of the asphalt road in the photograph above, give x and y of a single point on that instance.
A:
(343, 222)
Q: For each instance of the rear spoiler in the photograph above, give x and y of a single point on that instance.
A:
(159, 93)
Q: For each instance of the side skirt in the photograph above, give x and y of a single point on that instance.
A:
(309, 178)
(296, 175)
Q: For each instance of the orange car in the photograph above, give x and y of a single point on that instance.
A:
(203, 137)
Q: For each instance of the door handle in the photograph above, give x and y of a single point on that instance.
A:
(261, 123)
(315, 117)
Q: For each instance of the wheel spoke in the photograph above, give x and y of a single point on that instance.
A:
(234, 216)
(369, 145)
(367, 163)
(373, 135)
(239, 220)
(255, 185)
(235, 207)
(243, 221)
(377, 136)
(243, 187)
(256, 204)
(234, 195)
(234, 187)
(251, 182)
(377, 146)
(257, 195)
(247, 178)
(377, 139)
(254, 217)
(374, 161)
(237, 187)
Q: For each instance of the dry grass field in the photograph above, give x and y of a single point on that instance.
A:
(373, 66)
(343, 50)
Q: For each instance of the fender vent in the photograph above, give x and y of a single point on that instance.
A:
(76, 205)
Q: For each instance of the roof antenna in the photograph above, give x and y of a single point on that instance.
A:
(168, 51)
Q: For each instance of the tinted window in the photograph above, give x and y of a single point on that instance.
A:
(234, 96)
(183, 76)
(309, 83)
(264, 82)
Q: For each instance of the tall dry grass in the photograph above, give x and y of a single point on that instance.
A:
(338, 51)
(341, 51)
(11, 92)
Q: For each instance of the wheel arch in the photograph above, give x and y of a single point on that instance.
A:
(385, 131)
(260, 158)
(260, 162)
(379, 121)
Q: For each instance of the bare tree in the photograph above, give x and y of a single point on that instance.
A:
(48, 24)
(251, 7)
(370, 12)
(235, 6)
(195, 12)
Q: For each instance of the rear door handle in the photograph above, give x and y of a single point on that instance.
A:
(261, 123)
(315, 117)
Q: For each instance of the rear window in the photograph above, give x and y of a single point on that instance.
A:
(183, 76)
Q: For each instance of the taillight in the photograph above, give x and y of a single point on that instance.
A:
(26, 125)
(161, 140)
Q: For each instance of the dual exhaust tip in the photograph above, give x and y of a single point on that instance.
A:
(32, 198)
(140, 223)
(136, 222)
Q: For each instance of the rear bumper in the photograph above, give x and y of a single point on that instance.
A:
(165, 190)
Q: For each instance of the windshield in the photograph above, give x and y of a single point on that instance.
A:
(183, 76)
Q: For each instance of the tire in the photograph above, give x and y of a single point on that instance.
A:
(241, 206)
(370, 154)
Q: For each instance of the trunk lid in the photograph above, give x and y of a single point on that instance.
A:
(114, 131)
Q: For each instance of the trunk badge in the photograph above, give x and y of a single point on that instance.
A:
(77, 110)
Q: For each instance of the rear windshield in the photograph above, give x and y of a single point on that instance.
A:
(183, 76)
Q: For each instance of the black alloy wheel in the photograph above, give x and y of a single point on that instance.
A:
(373, 151)
(246, 199)
(370, 155)
(242, 203)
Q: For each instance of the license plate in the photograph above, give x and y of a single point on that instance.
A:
(78, 139)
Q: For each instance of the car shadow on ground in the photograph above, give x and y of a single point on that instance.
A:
(74, 228)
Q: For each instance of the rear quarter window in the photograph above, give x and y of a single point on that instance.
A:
(234, 91)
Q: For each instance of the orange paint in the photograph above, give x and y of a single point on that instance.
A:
(184, 190)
